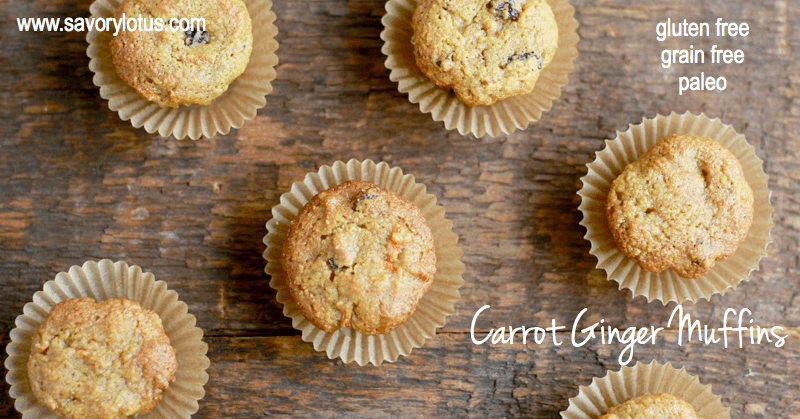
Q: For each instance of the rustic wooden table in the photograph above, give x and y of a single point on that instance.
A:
(77, 183)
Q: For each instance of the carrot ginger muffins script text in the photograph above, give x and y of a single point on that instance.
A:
(737, 328)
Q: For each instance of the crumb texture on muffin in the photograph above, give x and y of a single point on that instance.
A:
(652, 406)
(190, 67)
(484, 50)
(100, 360)
(684, 205)
(359, 255)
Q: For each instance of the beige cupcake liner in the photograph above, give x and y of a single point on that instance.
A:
(102, 281)
(667, 286)
(503, 117)
(618, 386)
(232, 109)
(434, 307)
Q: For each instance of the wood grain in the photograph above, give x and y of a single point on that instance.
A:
(77, 183)
(451, 377)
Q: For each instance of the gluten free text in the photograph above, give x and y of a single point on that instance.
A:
(691, 55)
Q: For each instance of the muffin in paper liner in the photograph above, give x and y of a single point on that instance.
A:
(434, 307)
(667, 286)
(102, 281)
(617, 387)
(503, 117)
(244, 97)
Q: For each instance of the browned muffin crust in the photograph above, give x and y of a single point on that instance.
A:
(485, 51)
(359, 255)
(184, 68)
(652, 406)
(685, 204)
(105, 360)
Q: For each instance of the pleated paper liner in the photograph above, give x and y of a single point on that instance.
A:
(667, 286)
(102, 281)
(617, 387)
(503, 117)
(434, 307)
(230, 110)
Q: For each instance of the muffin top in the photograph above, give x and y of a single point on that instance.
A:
(485, 51)
(685, 204)
(652, 406)
(359, 255)
(185, 67)
(100, 360)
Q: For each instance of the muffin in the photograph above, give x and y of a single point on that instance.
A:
(485, 51)
(652, 406)
(684, 205)
(190, 67)
(100, 360)
(359, 256)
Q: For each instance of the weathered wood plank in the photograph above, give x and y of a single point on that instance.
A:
(451, 377)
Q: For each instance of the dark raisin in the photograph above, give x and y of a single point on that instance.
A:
(529, 54)
(439, 63)
(523, 56)
(333, 265)
(506, 10)
(361, 198)
(195, 36)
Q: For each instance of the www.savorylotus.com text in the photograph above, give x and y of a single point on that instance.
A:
(123, 23)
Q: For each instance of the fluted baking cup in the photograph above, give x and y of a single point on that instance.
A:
(102, 281)
(617, 387)
(434, 307)
(667, 286)
(232, 109)
(503, 117)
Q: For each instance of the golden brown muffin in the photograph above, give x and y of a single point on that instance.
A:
(485, 51)
(100, 360)
(359, 255)
(652, 406)
(184, 68)
(685, 204)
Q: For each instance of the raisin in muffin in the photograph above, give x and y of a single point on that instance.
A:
(652, 406)
(485, 51)
(100, 360)
(183, 68)
(359, 256)
(684, 205)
